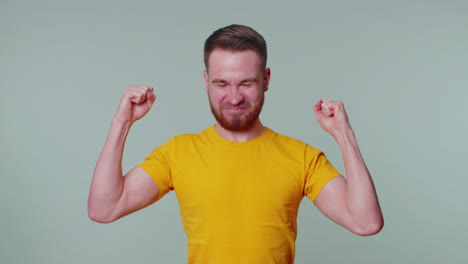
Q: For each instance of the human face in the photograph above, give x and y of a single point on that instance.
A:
(236, 83)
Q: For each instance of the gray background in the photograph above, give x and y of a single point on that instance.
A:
(399, 66)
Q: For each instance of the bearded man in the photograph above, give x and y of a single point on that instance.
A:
(238, 183)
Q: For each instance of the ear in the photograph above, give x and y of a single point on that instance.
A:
(205, 76)
(266, 79)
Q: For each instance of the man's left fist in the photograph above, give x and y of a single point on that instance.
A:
(332, 117)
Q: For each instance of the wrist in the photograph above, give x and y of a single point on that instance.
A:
(345, 137)
(120, 128)
(119, 122)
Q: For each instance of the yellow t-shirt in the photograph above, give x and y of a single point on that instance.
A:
(239, 200)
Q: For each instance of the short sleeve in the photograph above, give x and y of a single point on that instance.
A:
(158, 166)
(319, 171)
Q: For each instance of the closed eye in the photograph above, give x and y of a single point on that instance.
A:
(249, 84)
(219, 83)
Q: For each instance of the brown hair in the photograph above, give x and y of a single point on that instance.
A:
(236, 38)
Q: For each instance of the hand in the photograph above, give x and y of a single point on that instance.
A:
(332, 117)
(136, 101)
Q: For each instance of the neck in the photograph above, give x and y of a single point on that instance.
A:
(240, 136)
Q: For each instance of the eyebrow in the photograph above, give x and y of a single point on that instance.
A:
(251, 79)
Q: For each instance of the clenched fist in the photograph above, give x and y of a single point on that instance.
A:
(332, 117)
(135, 103)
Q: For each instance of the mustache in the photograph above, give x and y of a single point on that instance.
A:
(241, 104)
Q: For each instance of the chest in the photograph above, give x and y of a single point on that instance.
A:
(253, 183)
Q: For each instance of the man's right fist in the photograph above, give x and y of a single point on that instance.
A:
(135, 102)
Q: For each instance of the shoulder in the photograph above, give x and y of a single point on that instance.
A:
(295, 144)
(190, 137)
(281, 139)
(187, 140)
(184, 138)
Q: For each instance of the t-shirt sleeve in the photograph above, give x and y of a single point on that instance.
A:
(158, 166)
(319, 171)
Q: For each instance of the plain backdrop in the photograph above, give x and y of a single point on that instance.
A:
(400, 67)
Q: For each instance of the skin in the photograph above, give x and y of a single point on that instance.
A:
(351, 202)
(111, 195)
(235, 83)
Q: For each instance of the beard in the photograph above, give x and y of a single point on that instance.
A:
(241, 121)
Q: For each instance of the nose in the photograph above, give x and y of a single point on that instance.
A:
(236, 96)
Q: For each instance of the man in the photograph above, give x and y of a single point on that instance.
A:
(238, 183)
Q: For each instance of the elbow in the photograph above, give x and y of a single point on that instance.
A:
(99, 216)
(369, 229)
(98, 219)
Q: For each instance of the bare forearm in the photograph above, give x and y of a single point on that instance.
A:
(107, 183)
(361, 197)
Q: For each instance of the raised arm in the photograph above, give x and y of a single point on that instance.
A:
(113, 195)
(351, 202)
